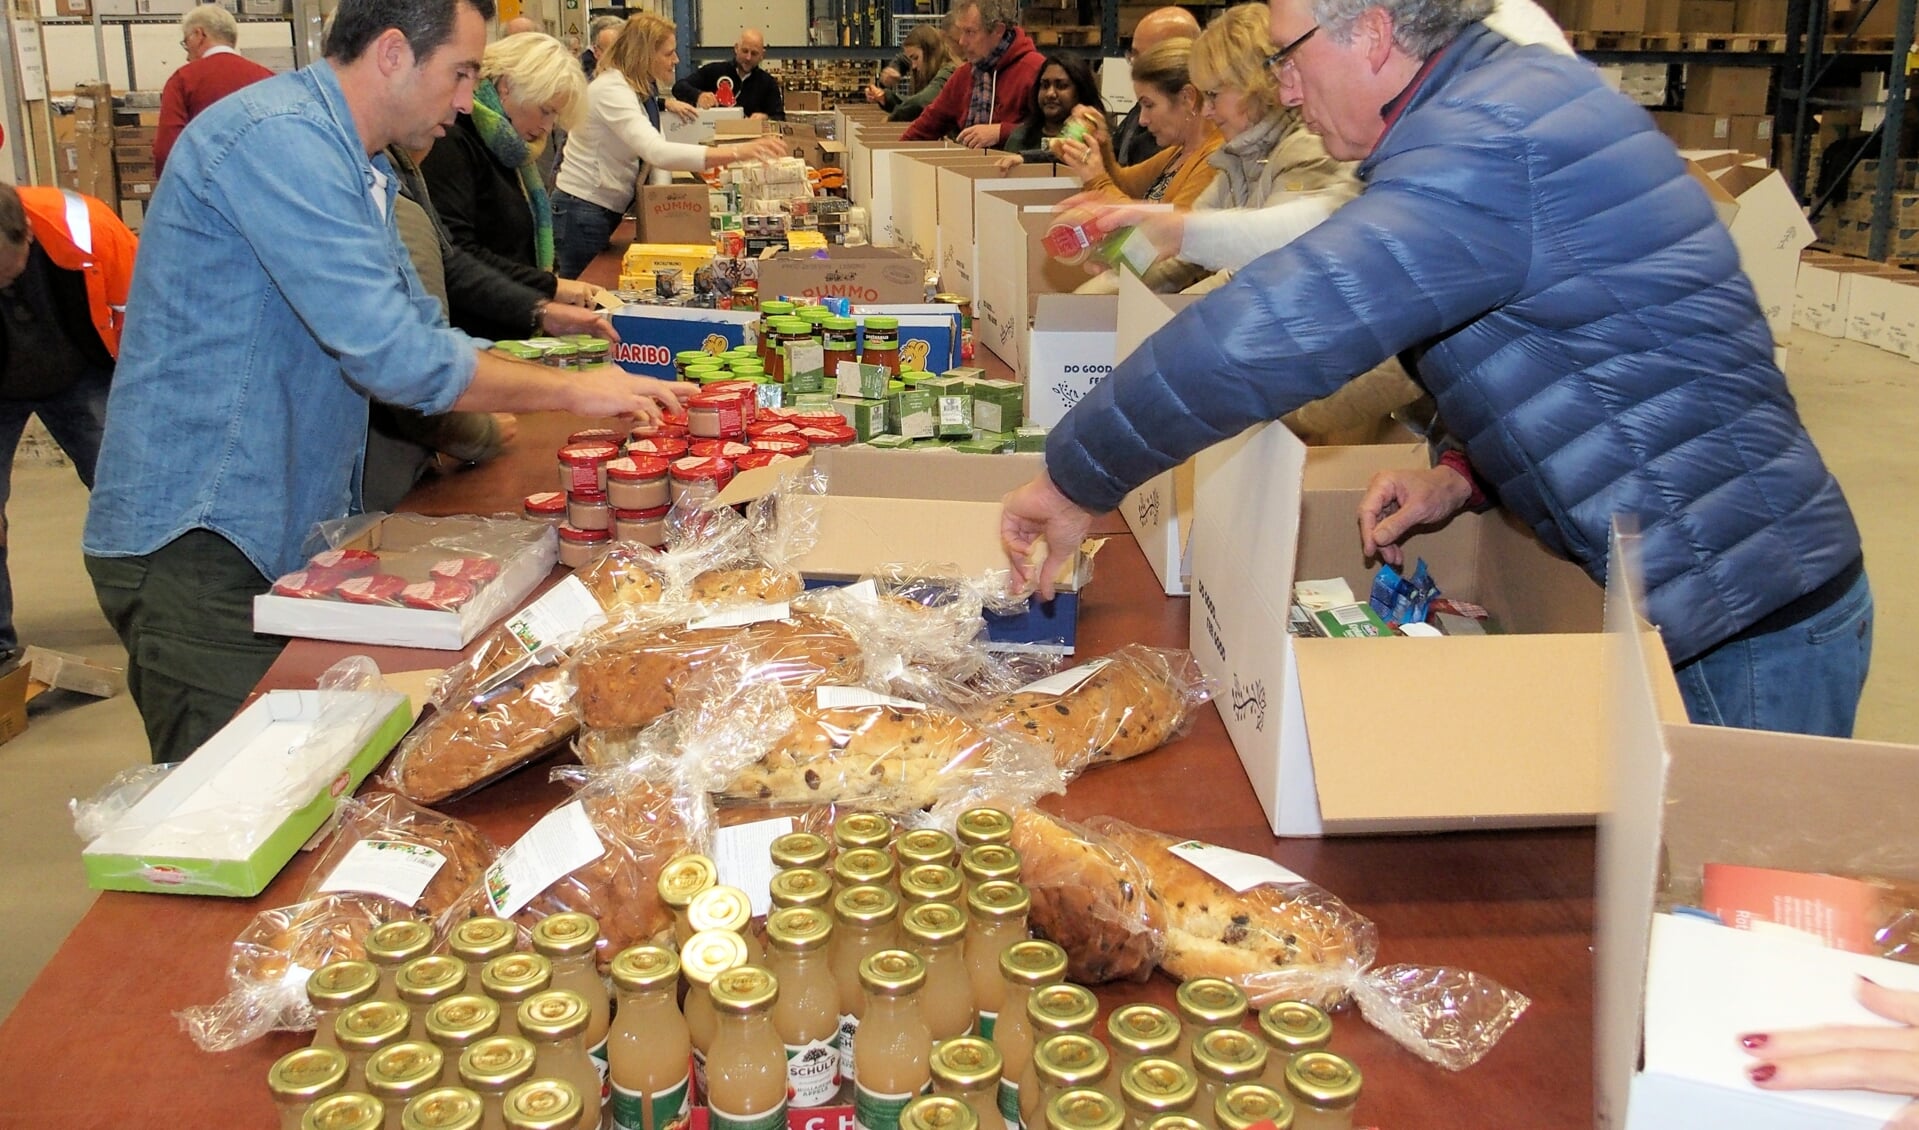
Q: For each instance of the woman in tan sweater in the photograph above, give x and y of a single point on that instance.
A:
(1170, 109)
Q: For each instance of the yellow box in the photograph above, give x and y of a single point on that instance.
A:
(686, 257)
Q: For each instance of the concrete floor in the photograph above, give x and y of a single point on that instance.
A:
(1854, 399)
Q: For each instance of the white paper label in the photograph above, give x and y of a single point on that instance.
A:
(853, 698)
(740, 618)
(1420, 631)
(866, 592)
(561, 843)
(389, 868)
(1236, 869)
(558, 619)
(1317, 596)
(1066, 681)
(743, 856)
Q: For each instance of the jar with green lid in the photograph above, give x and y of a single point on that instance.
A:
(348, 1110)
(968, 1069)
(510, 979)
(546, 1104)
(748, 369)
(815, 316)
(426, 981)
(686, 359)
(1250, 1104)
(1084, 1108)
(802, 886)
(1024, 967)
(800, 849)
(304, 1077)
(334, 988)
(393, 944)
(448, 1108)
(998, 911)
(840, 338)
(882, 343)
(520, 351)
(981, 825)
(1052, 1010)
(400, 1072)
(1073, 1059)
(1291, 1028)
(364, 1029)
(862, 830)
(938, 1112)
(495, 1066)
(456, 1024)
(595, 352)
(1206, 1002)
(563, 355)
(713, 376)
(477, 941)
(1223, 1058)
(571, 942)
(556, 1022)
(925, 845)
(864, 867)
(771, 310)
(679, 881)
(1140, 1031)
(740, 353)
(1153, 1087)
(1324, 1087)
(930, 882)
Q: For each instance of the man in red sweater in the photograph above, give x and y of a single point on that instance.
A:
(988, 95)
(213, 71)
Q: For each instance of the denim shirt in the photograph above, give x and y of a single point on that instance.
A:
(271, 299)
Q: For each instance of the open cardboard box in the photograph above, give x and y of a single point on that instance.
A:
(1767, 224)
(916, 213)
(959, 189)
(1679, 992)
(707, 126)
(873, 173)
(1882, 309)
(1014, 269)
(933, 507)
(865, 275)
(1824, 291)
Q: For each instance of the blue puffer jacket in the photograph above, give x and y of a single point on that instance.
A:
(1581, 319)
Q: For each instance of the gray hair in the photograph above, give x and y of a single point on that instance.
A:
(603, 23)
(991, 12)
(1420, 27)
(216, 21)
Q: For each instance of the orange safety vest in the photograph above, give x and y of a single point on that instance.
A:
(82, 234)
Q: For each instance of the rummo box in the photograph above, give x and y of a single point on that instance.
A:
(1767, 224)
(1394, 734)
(1674, 995)
(650, 336)
(959, 190)
(866, 275)
(1823, 293)
(672, 213)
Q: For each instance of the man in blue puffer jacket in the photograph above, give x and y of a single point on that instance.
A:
(1580, 316)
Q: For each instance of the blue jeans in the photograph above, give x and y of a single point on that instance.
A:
(76, 419)
(581, 230)
(1803, 679)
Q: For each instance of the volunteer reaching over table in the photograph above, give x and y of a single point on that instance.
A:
(271, 301)
(1573, 304)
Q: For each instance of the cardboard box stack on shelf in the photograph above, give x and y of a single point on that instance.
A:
(1724, 108)
(1058, 23)
(93, 142)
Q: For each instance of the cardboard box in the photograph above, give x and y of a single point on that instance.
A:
(406, 543)
(887, 228)
(702, 129)
(1727, 90)
(860, 139)
(867, 275)
(1706, 16)
(1014, 270)
(1744, 133)
(1767, 225)
(1605, 15)
(917, 223)
(1071, 351)
(1883, 310)
(672, 213)
(1685, 796)
(13, 702)
(93, 102)
(802, 100)
(1759, 17)
(1824, 292)
(650, 336)
(66, 161)
(221, 824)
(959, 190)
(1159, 511)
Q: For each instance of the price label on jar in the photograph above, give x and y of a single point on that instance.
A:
(391, 869)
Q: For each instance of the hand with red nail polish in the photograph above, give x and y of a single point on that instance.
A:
(1847, 1058)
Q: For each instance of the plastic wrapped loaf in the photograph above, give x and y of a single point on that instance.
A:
(1092, 899)
(1110, 709)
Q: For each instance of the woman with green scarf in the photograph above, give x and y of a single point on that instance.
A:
(484, 178)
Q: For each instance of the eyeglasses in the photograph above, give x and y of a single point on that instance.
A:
(1283, 58)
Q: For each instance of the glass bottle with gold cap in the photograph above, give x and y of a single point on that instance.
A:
(1051, 1010)
(982, 826)
(1324, 1089)
(1175, 1122)
(556, 1021)
(801, 850)
(1084, 1108)
(802, 886)
(545, 1104)
(1250, 1104)
(364, 1029)
(705, 956)
(648, 1045)
(746, 1070)
(925, 845)
(391, 945)
(984, 863)
(1153, 1086)
(493, 1067)
(721, 907)
(930, 882)
(570, 942)
(998, 909)
(399, 1072)
(477, 941)
(807, 1014)
(1071, 1060)
(936, 932)
(939, 1112)
(1140, 1031)
(1206, 1002)
(511, 979)
(447, 1108)
(680, 880)
(1224, 1058)
(1024, 967)
(893, 1048)
(862, 830)
(425, 982)
(1291, 1028)
(456, 1024)
(334, 988)
(348, 1110)
(304, 1077)
(968, 1069)
(865, 867)
(863, 925)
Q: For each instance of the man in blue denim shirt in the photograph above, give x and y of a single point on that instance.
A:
(271, 301)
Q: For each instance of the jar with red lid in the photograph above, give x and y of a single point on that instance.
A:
(782, 445)
(780, 412)
(579, 547)
(588, 510)
(715, 415)
(671, 420)
(666, 447)
(546, 506)
(636, 482)
(724, 448)
(841, 436)
(820, 420)
(583, 466)
(647, 527)
(693, 473)
(747, 391)
(771, 426)
(754, 460)
(593, 435)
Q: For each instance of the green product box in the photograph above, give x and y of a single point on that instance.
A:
(805, 367)
(927, 445)
(867, 382)
(893, 442)
(1003, 441)
(953, 417)
(946, 385)
(812, 402)
(997, 405)
(1032, 437)
(911, 413)
(980, 446)
(1348, 621)
(867, 417)
(968, 373)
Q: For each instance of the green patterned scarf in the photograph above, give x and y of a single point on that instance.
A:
(511, 151)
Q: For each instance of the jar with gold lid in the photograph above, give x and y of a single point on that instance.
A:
(1052, 1010)
(348, 1110)
(546, 1104)
(925, 845)
(1084, 1108)
(334, 988)
(1291, 1028)
(679, 881)
(400, 1072)
(968, 1069)
(931, 882)
(648, 1046)
(456, 1024)
(1224, 1058)
(862, 830)
(1206, 1002)
(1249, 1104)
(939, 1112)
(494, 1066)
(800, 849)
(864, 867)
(721, 907)
(477, 941)
(935, 932)
(510, 979)
(998, 910)
(366, 1028)
(571, 942)
(1024, 967)
(807, 1014)
(391, 945)
(304, 1077)
(1140, 1031)
(447, 1108)
(1324, 1087)
(556, 1023)
(978, 826)
(802, 886)
(706, 955)
(426, 981)
(1153, 1086)
(865, 923)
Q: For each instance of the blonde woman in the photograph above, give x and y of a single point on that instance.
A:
(1170, 108)
(621, 136)
(931, 65)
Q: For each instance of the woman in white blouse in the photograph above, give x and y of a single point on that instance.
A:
(620, 135)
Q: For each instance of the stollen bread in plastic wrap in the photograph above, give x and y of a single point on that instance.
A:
(1089, 897)
(1109, 709)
